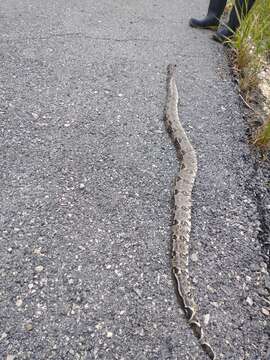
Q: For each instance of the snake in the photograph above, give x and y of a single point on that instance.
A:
(182, 199)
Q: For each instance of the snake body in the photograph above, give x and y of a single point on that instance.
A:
(182, 209)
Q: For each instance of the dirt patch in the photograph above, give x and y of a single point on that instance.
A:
(264, 87)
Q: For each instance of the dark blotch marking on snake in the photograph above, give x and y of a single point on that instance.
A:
(182, 166)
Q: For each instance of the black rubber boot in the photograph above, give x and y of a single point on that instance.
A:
(223, 35)
(211, 21)
(239, 11)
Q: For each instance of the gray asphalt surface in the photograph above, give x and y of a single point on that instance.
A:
(86, 177)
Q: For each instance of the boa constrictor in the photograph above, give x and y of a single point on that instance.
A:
(182, 209)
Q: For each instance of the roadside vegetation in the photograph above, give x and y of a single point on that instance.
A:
(251, 47)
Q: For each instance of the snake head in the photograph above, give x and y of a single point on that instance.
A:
(171, 69)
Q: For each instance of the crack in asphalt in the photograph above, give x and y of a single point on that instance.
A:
(85, 36)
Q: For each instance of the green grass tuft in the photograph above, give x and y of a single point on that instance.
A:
(251, 45)
(263, 136)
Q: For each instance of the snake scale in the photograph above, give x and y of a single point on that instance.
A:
(182, 209)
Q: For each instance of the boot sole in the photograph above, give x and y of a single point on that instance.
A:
(221, 39)
(210, 27)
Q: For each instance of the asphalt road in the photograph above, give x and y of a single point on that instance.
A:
(86, 177)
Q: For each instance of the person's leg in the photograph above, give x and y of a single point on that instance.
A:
(239, 11)
(211, 21)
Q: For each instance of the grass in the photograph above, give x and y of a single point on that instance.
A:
(251, 46)
(263, 136)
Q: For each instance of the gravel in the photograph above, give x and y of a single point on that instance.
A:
(87, 171)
